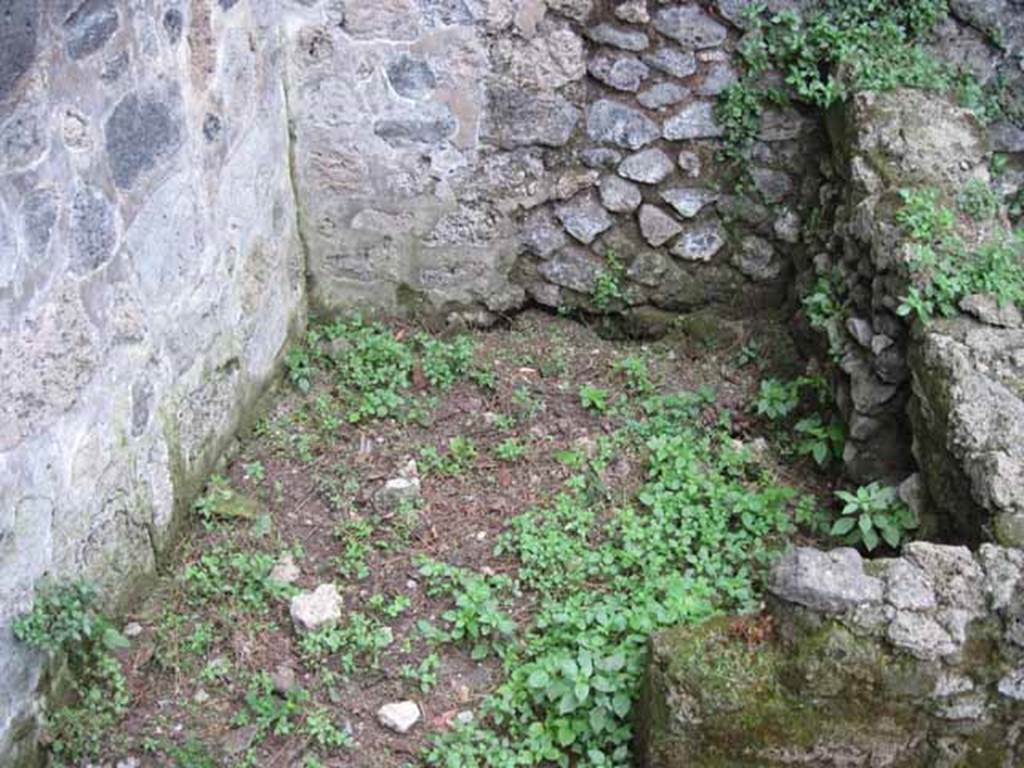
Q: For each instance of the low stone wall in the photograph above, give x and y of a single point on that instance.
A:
(940, 396)
(911, 661)
(968, 418)
(150, 275)
(884, 143)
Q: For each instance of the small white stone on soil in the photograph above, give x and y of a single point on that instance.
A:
(283, 679)
(132, 629)
(399, 716)
(396, 491)
(285, 571)
(314, 610)
(465, 717)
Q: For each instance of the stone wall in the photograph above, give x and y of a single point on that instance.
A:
(885, 143)
(943, 397)
(178, 176)
(464, 154)
(150, 274)
(882, 143)
(916, 661)
(967, 412)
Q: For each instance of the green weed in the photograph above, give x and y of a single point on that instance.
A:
(871, 514)
(65, 621)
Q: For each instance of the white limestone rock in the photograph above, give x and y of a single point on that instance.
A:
(399, 716)
(315, 610)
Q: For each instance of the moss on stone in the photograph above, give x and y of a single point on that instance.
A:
(707, 329)
(722, 701)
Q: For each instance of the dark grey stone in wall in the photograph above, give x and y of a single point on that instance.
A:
(90, 27)
(22, 140)
(415, 130)
(40, 213)
(519, 118)
(446, 12)
(19, 29)
(615, 123)
(227, 5)
(212, 127)
(672, 61)
(92, 230)
(173, 23)
(411, 76)
(142, 403)
(141, 131)
(115, 67)
(690, 26)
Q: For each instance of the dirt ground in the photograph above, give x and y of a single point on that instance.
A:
(309, 482)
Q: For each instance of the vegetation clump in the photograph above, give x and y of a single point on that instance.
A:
(66, 622)
(845, 47)
(944, 268)
(568, 504)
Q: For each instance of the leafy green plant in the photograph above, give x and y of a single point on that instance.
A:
(392, 609)
(299, 368)
(944, 271)
(355, 536)
(446, 362)
(594, 398)
(738, 110)
(65, 621)
(993, 101)
(608, 283)
(255, 471)
(241, 579)
(749, 353)
(923, 215)
(777, 399)
(978, 201)
(192, 754)
(322, 730)
(359, 641)
(485, 378)
(634, 371)
(268, 712)
(822, 304)
(376, 367)
(510, 450)
(222, 502)
(476, 618)
(871, 514)
(822, 442)
(457, 459)
(605, 578)
(826, 55)
(423, 674)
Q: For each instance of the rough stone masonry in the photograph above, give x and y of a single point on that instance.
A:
(150, 274)
(179, 179)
